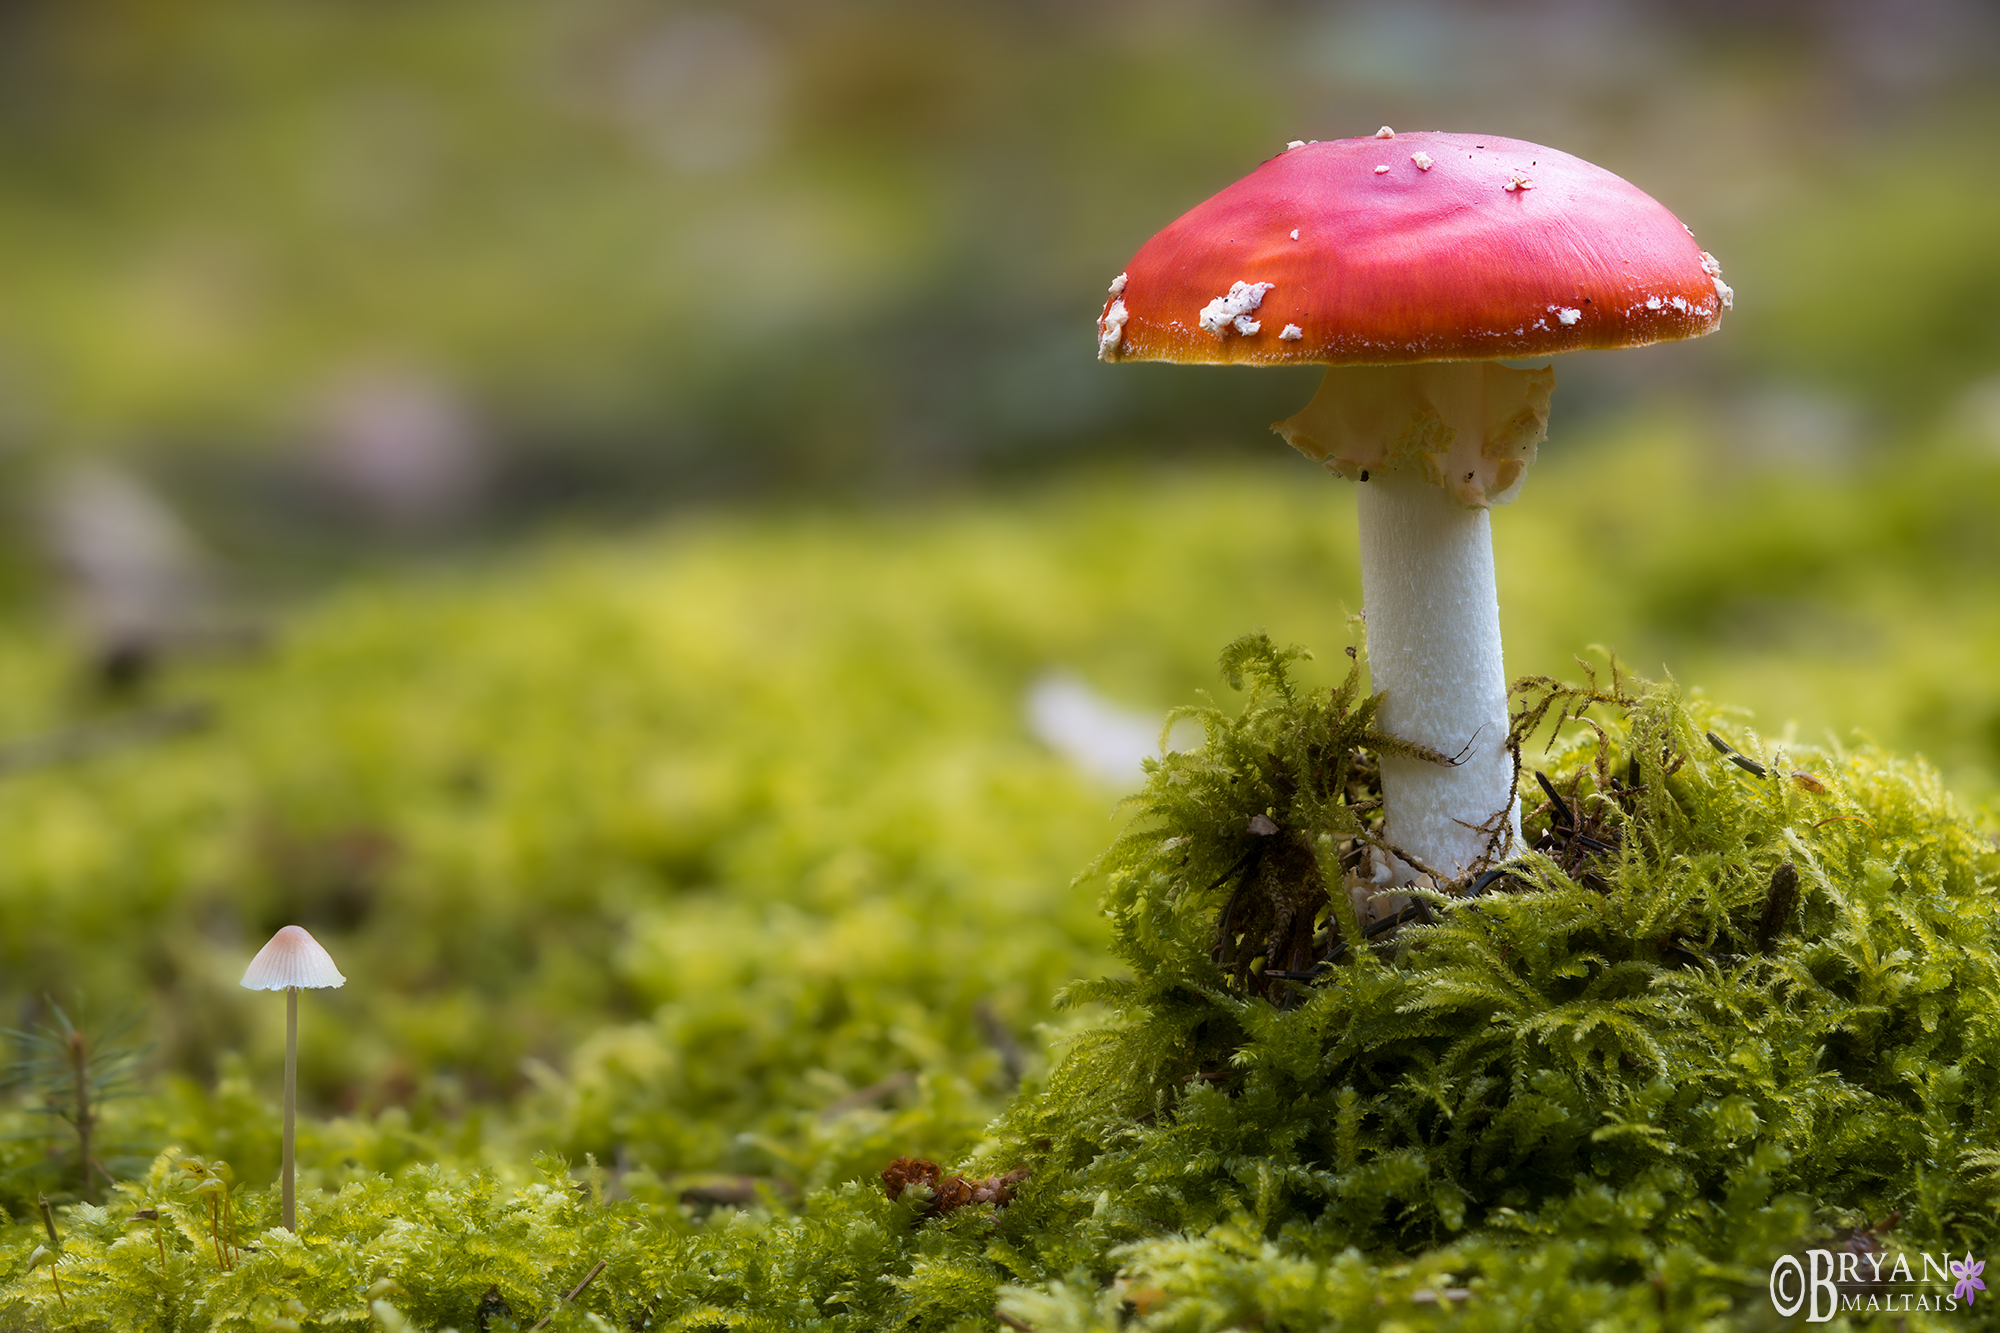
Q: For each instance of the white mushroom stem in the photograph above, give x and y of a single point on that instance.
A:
(1433, 445)
(1434, 654)
(291, 1102)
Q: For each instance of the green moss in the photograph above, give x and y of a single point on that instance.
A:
(1645, 1075)
(1610, 1088)
(669, 852)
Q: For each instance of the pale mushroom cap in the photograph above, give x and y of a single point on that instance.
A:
(292, 958)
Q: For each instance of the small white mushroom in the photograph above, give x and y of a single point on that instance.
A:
(292, 960)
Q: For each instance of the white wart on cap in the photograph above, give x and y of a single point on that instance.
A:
(292, 958)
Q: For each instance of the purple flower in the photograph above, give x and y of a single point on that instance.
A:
(1967, 1274)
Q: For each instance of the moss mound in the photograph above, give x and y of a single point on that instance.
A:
(1714, 1017)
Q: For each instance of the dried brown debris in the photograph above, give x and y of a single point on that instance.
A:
(950, 1193)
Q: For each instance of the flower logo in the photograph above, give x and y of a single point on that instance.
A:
(1967, 1273)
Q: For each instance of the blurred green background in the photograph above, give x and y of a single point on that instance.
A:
(613, 481)
(511, 258)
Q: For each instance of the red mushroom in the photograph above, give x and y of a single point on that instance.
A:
(1407, 263)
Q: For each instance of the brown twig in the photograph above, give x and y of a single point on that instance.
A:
(1737, 757)
(575, 1292)
(1403, 856)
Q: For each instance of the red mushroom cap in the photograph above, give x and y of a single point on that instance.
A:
(1467, 247)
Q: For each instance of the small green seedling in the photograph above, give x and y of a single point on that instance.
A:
(74, 1071)
(50, 1254)
(293, 959)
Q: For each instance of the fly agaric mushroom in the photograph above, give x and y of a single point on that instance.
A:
(292, 960)
(1408, 273)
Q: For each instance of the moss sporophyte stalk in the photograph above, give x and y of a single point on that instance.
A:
(1724, 1017)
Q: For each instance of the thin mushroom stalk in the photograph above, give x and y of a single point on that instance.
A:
(287, 1168)
(292, 961)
